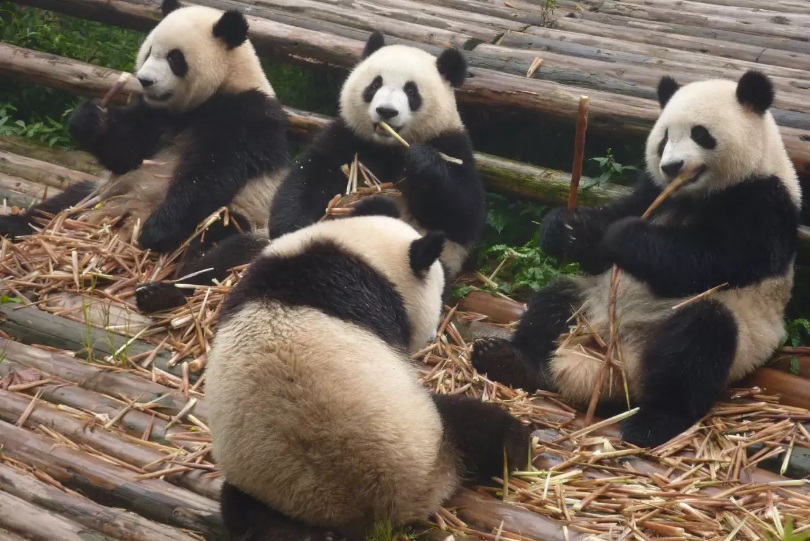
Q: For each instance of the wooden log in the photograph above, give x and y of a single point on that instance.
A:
(786, 364)
(737, 29)
(702, 45)
(109, 484)
(70, 159)
(610, 114)
(793, 390)
(104, 380)
(41, 172)
(22, 192)
(746, 15)
(654, 47)
(30, 325)
(38, 524)
(640, 80)
(780, 6)
(133, 422)
(13, 406)
(478, 509)
(118, 524)
(7, 535)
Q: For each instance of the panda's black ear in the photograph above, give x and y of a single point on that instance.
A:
(755, 91)
(376, 205)
(375, 41)
(452, 66)
(667, 87)
(425, 251)
(167, 6)
(232, 28)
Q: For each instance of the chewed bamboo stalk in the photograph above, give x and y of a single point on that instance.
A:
(119, 85)
(406, 144)
(613, 342)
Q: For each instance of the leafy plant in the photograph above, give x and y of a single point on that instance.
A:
(547, 8)
(797, 332)
(789, 534)
(610, 170)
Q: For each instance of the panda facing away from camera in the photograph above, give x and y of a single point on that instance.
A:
(412, 91)
(734, 223)
(319, 421)
(206, 133)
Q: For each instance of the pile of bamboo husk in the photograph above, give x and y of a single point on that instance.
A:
(704, 484)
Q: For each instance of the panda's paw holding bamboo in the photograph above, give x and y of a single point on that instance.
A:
(559, 231)
(87, 122)
(622, 236)
(152, 297)
(424, 166)
(500, 361)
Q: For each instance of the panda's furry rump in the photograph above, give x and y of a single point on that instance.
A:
(324, 416)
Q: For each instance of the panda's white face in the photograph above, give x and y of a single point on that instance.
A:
(402, 87)
(705, 128)
(193, 53)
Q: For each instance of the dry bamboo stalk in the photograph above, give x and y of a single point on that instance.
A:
(119, 85)
(405, 143)
(613, 342)
(579, 151)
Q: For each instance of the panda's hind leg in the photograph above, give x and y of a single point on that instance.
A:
(481, 433)
(248, 519)
(684, 370)
(522, 362)
(17, 225)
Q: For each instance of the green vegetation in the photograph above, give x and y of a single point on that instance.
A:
(609, 171)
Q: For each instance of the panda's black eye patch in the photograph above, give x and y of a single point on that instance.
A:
(701, 136)
(177, 62)
(663, 143)
(371, 89)
(414, 97)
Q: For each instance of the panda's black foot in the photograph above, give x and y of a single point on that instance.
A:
(154, 297)
(651, 427)
(13, 226)
(501, 361)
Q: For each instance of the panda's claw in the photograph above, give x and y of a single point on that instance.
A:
(154, 297)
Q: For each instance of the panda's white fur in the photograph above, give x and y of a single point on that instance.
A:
(398, 65)
(318, 416)
(733, 226)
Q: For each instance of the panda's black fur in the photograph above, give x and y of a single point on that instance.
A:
(725, 227)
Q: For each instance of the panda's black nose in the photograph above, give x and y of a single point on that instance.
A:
(146, 83)
(387, 112)
(672, 168)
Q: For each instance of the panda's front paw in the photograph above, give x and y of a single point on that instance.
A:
(154, 297)
(424, 166)
(557, 232)
(88, 122)
(623, 237)
(651, 427)
(159, 235)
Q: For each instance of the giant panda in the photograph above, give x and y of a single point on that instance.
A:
(318, 418)
(412, 91)
(735, 223)
(206, 133)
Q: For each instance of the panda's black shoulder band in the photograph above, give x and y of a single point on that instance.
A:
(376, 206)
